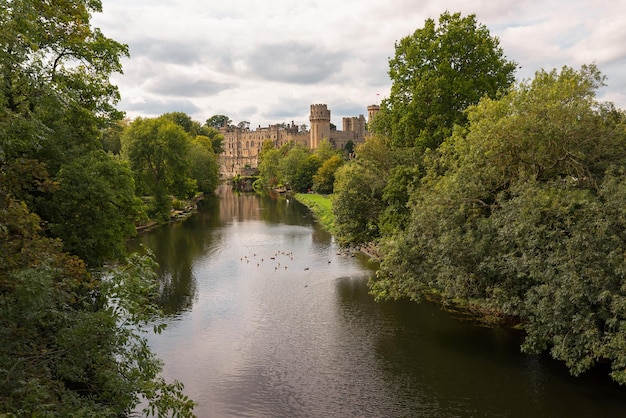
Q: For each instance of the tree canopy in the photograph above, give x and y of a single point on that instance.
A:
(71, 327)
(437, 72)
(522, 213)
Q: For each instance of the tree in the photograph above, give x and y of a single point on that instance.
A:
(203, 163)
(522, 214)
(325, 150)
(269, 162)
(94, 209)
(218, 121)
(297, 167)
(157, 150)
(72, 343)
(437, 72)
(357, 204)
(324, 179)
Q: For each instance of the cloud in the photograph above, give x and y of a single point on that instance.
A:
(181, 52)
(267, 62)
(184, 86)
(157, 106)
(293, 62)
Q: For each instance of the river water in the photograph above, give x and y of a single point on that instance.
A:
(267, 318)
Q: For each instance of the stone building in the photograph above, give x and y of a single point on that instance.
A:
(242, 146)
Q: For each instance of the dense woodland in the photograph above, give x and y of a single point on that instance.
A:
(76, 179)
(507, 197)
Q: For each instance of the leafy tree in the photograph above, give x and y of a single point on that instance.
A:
(218, 121)
(112, 136)
(403, 179)
(184, 121)
(203, 163)
(70, 340)
(437, 72)
(72, 343)
(157, 150)
(302, 180)
(357, 204)
(269, 162)
(324, 179)
(297, 167)
(522, 213)
(325, 150)
(94, 209)
(217, 139)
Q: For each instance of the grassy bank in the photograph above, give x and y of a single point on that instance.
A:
(321, 207)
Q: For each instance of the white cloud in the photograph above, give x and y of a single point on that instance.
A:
(266, 62)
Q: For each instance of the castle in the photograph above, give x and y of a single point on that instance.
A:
(242, 146)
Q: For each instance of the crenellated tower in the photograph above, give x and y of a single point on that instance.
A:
(372, 110)
(320, 124)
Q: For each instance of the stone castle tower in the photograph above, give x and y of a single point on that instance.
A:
(372, 110)
(320, 124)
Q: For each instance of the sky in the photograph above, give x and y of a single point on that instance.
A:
(266, 62)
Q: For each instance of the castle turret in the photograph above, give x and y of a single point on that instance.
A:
(372, 110)
(320, 124)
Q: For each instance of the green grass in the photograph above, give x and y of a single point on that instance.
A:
(321, 207)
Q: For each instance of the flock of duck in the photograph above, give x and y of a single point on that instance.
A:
(279, 260)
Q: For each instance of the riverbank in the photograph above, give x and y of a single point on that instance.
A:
(182, 210)
(321, 206)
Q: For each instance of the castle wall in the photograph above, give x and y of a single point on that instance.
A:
(242, 146)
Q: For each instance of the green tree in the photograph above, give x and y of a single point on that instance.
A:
(402, 180)
(297, 167)
(94, 209)
(71, 343)
(269, 163)
(522, 213)
(112, 136)
(157, 150)
(357, 204)
(219, 121)
(324, 179)
(437, 72)
(325, 150)
(203, 163)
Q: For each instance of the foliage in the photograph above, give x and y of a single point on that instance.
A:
(94, 209)
(324, 179)
(70, 339)
(219, 121)
(71, 343)
(357, 204)
(112, 136)
(203, 163)
(297, 168)
(437, 72)
(157, 151)
(402, 180)
(269, 163)
(523, 212)
(194, 129)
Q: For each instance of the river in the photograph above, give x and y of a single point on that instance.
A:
(268, 318)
